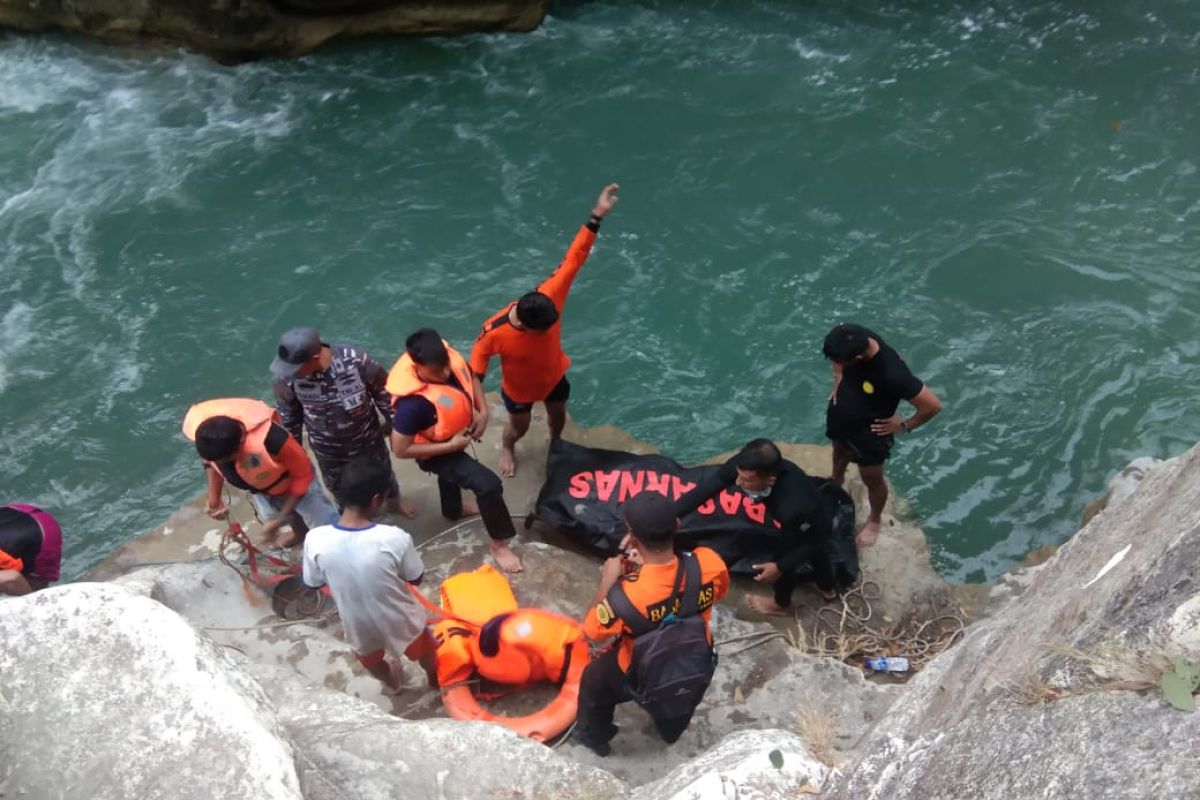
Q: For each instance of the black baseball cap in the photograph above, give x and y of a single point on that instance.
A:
(650, 515)
(295, 347)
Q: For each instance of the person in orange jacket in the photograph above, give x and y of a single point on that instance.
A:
(647, 576)
(439, 409)
(527, 336)
(30, 549)
(242, 443)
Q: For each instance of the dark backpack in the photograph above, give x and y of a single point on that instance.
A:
(672, 662)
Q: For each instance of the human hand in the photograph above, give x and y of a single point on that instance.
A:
(270, 528)
(612, 569)
(887, 427)
(605, 202)
(216, 510)
(768, 572)
(479, 423)
(460, 441)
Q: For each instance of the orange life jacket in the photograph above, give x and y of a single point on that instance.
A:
(531, 646)
(455, 409)
(523, 646)
(254, 465)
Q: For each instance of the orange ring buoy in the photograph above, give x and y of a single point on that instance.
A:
(545, 724)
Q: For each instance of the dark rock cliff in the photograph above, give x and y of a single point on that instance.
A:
(238, 30)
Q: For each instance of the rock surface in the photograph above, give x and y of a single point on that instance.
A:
(740, 766)
(109, 695)
(1054, 694)
(761, 681)
(236, 30)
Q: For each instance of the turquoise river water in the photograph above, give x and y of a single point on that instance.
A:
(1007, 191)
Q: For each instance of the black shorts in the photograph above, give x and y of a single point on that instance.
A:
(559, 394)
(866, 448)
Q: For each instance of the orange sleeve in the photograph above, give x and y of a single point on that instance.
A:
(712, 567)
(481, 353)
(8, 562)
(601, 623)
(299, 468)
(558, 285)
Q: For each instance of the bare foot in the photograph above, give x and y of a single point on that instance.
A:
(508, 461)
(394, 684)
(505, 558)
(469, 509)
(867, 534)
(767, 606)
(405, 508)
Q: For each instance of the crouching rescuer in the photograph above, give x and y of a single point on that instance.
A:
(658, 606)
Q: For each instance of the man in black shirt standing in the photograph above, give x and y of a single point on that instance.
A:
(869, 381)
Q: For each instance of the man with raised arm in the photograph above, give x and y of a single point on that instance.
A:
(527, 336)
(869, 381)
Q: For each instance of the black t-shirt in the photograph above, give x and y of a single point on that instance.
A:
(794, 501)
(869, 391)
(413, 413)
(20, 536)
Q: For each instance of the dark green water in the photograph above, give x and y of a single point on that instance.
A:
(1008, 192)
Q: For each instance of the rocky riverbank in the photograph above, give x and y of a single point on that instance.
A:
(185, 672)
(246, 29)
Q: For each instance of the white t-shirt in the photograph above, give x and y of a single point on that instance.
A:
(367, 570)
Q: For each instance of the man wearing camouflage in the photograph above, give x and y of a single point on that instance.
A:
(336, 392)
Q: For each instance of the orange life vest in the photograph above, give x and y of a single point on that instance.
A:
(531, 646)
(257, 467)
(523, 646)
(455, 409)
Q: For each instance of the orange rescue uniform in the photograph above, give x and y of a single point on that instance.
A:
(649, 589)
(532, 362)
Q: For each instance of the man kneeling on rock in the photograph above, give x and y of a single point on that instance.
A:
(792, 499)
(640, 597)
(368, 568)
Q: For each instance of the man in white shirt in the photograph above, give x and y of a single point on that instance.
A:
(372, 571)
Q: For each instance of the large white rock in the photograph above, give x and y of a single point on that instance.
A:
(350, 750)
(106, 694)
(740, 767)
(1055, 695)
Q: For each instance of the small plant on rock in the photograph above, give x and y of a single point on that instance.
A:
(1180, 683)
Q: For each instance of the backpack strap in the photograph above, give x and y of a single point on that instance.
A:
(628, 613)
(690, 606)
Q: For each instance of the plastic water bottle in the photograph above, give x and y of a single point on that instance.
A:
(891, 664)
